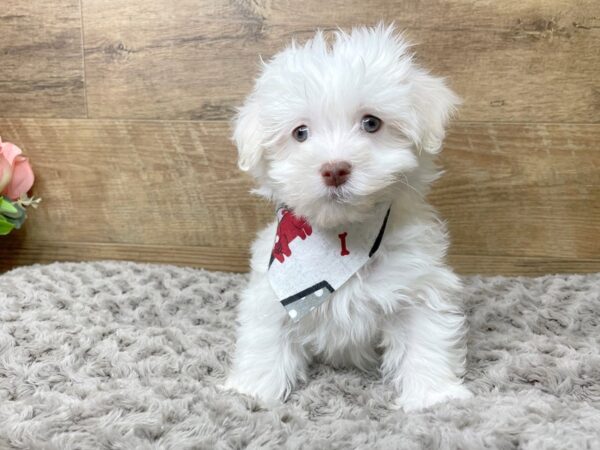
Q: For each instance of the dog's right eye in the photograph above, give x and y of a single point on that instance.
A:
(300, 133)
(370, 124)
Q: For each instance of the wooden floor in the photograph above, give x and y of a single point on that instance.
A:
(123, 107)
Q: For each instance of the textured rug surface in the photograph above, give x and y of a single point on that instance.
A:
(123, 356)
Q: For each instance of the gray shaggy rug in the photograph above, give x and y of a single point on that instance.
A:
(126, 356)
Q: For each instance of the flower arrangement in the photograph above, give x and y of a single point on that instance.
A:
(16, 178)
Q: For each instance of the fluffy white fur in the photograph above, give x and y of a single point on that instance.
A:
(401, 309)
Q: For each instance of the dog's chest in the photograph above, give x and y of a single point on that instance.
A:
(351, 313)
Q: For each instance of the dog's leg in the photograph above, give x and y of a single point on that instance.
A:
(268, 360)
(424, 356)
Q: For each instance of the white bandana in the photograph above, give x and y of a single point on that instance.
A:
(308, 264)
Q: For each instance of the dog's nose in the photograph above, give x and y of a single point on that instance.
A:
(336, 173)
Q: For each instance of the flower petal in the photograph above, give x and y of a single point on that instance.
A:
(5, 172)
(22, 178)
(10, 151)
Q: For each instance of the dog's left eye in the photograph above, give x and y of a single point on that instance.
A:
(370, 124)
(300, 133)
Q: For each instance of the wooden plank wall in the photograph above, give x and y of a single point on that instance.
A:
(124, 109)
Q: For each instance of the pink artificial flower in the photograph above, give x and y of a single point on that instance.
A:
(16, 176)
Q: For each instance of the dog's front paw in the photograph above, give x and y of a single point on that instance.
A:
(424, 398)
(266, 394)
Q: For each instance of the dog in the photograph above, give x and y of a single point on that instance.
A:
(333, 128)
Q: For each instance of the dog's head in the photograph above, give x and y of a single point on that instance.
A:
(332, 129)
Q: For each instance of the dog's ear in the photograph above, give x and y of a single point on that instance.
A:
(435, 103)
(248, 136)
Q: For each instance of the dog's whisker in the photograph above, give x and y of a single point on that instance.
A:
(402, 178)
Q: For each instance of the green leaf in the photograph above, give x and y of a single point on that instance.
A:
(18, 219)
(5, 226)
(18, 216)
(7, 207)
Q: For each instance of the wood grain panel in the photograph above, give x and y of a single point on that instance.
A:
(519, 198)
(522, 190)
(41, 59)
(20, 250)
(513, 60)
(138, 183)
(520, 265)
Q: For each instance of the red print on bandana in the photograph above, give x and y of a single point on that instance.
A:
(290, 227)
(342, 237)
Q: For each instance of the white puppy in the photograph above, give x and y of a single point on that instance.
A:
(331, 130)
